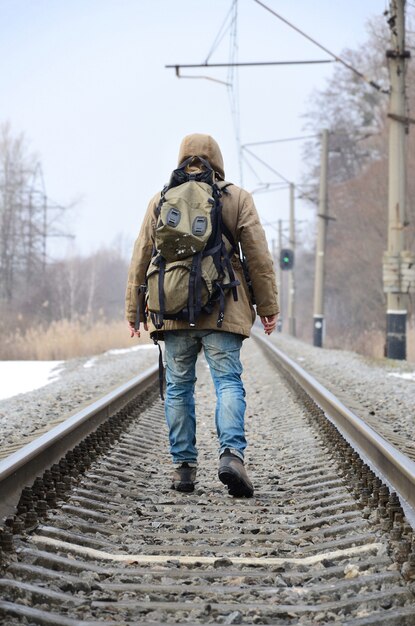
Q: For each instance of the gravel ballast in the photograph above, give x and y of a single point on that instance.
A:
(81, 381)
(368, 387)
(379, 391)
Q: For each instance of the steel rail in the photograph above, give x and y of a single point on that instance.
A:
(384, 459)
(20, 468)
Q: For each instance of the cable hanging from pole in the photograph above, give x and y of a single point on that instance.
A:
(221, 34)
(233, 83)
(370, 82)
(180, 66)
(270, 141)
(247, 162)
(265, 164)
(273, 170)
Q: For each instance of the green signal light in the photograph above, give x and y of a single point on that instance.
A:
(286, 259)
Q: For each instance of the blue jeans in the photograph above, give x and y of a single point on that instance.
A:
(222, 351)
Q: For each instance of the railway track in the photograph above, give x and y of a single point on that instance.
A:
(102, 539)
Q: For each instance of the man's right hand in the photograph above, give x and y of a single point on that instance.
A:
(269, 323)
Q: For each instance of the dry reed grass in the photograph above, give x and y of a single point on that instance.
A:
(66, 339)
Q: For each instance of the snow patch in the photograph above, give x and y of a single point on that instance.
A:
(24, 376)
(116, 351)
(144, 346)
(91, 362)
(404, 375)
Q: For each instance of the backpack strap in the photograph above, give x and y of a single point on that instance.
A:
(195, 288)
(221, 315)
(234, 282)
(223, 186)
(225, 256)
(161, 368)
(158, 318)
(180, 176)
(160, 203)
(227, 233)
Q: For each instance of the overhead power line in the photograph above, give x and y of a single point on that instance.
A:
(233, 80)
(180, 66)
(263, 143)
(372, 83)
(265, 164)
(222, 32)
(249, 164)
(270, 188)
(274, 171)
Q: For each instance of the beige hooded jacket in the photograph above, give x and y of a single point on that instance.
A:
(240, 216)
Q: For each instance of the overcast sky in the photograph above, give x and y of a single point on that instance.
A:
(86, 83)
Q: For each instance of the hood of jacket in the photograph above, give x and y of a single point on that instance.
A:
(204, 146)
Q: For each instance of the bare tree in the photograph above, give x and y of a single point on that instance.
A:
(356, 116)
(90, 287)
(16, 218)
(27, 221)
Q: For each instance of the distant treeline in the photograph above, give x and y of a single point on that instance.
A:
(37, 290)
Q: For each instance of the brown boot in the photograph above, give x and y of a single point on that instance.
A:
(183, 478)
(233, 474)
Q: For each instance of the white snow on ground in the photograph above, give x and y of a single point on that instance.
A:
(404, 375)
(91, 362)
(23, 376)
(145, 346)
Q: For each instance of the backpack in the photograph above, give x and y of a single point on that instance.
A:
(190, 270)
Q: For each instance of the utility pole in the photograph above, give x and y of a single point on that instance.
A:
(398, 269)
(291, 278)
(318, 316)
(281, 276)
(275, 258)
(275, 261)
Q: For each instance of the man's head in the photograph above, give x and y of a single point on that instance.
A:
(204, 146)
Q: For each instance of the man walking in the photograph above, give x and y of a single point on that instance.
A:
(221, 344)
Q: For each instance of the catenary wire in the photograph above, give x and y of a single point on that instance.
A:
(233, 89)
(251, 63)
(319, 45)
(263, 143)
(221, 34)
(249, 165)
(265, 164)
(274, 171)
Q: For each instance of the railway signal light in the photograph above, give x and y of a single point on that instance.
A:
(286, 259)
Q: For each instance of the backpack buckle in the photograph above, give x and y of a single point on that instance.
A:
(173, 217)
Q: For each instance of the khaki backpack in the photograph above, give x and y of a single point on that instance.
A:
(190, 270)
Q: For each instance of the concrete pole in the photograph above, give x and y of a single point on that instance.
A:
(281, 276)
(274, 254)
(396, 300)
(275, 258)
(318, 333)
(291, 278)
(276, 264)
